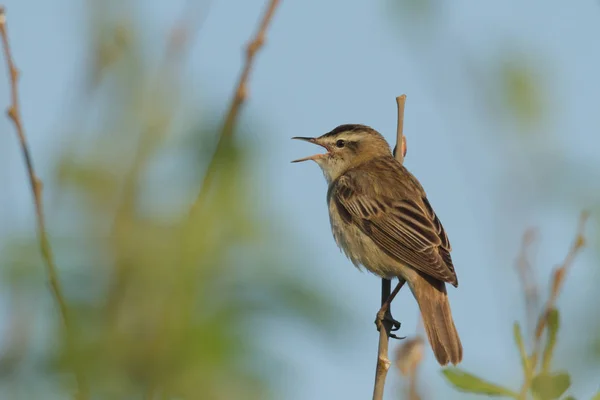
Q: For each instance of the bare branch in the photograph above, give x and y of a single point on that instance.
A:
(400, 138)
(558, 276)
(14, 114)
(241, 92)
(239, 96)
(383, 362)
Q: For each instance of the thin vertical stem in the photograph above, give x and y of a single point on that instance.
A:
(383, 362)
(14, 113)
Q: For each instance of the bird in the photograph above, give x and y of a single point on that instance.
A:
(383, 222)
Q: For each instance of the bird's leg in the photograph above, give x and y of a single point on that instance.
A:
(385, 312)
(384, 315)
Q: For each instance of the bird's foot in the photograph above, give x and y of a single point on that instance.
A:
(385, 320)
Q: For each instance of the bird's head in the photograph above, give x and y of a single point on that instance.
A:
(346, 146)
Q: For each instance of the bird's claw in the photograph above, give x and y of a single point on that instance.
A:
(392, 336)
(386, 318)
(395, 324)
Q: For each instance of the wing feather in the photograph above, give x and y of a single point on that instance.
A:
(407, 230)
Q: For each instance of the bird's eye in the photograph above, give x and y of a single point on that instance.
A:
(340, 143)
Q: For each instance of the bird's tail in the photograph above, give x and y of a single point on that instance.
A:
(437, 319)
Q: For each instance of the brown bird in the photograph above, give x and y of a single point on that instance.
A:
(382, 220)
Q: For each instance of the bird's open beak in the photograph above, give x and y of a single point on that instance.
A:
(316, 156)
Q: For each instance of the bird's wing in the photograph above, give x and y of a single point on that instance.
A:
(407, 230)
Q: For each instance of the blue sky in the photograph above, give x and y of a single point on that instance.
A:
(328, 63)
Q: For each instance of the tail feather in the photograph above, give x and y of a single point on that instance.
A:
(433, 302)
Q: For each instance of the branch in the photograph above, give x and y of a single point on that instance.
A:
(383, 361)
(400, 138)
(241, 92)
(558, 278)
(14, 115)
(239, 96)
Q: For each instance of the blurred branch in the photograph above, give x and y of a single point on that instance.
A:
(560, 273)
(558, 278)
(164, 86)
(385, 326)
(239, 96)
(526, 275)
(185, 29)
(18, 334)
(180, 38)
(36, 187)
(408, 359)
(241, 92)
(543, 384)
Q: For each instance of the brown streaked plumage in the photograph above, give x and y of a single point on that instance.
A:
(381, 219)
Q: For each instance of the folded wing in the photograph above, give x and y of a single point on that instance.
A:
(407, 230)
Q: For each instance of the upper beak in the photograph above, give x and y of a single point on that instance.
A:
(311, 140)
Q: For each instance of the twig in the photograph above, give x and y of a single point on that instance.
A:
(400, 138)
(36, 187)
(526, 275)
(242, 87)
(385, 327)
(383, 362)
(558, 278)
(239, 96)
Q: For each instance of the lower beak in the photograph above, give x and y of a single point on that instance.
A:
(311, 140)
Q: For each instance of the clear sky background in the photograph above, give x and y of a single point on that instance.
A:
(331, 62)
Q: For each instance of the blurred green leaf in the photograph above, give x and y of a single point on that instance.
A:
(418, 17)
(550, 386)
(470, 383)
(553, 323)
(596, 396)
(569, 398)
(521, 90)
(518, 336)
(421, 8)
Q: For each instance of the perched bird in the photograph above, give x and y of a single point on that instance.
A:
(381, 218)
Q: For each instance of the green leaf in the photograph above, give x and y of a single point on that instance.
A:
(596, 396)
(522, 89)
(569, 398)
(469, 383)
(521, 346)
(553, 323)
(550, 386)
